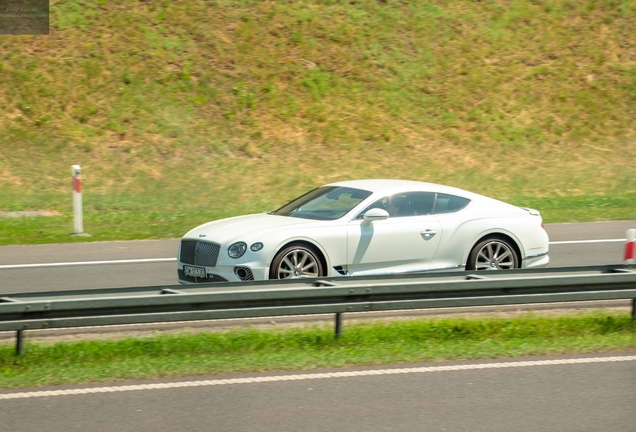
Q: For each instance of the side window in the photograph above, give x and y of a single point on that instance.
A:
(422, 203)
(405, 204)
(449, 203)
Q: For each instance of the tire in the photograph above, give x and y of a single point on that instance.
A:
(493, 253)
(296, 261)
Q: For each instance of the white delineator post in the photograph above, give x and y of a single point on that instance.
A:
(630, 246)
(78, 225)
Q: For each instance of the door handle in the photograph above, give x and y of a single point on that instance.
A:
(428, 232)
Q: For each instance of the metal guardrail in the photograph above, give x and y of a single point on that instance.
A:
(63, 309)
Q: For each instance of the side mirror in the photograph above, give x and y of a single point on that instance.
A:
(374, 214)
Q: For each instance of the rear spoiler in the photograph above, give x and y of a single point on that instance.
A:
(533, 212)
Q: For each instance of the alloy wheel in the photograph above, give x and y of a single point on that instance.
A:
(298, 263)
(495, 255)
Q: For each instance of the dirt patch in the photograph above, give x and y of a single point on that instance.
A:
(30, 213)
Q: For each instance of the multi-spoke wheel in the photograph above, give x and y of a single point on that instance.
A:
(493, 253)
(296, 262)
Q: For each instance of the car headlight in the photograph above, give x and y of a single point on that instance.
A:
(237, 250)
(256, 247)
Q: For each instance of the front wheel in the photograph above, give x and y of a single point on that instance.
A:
(296, 262)
(495, 253)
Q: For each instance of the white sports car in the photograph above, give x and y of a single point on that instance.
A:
(366, 227)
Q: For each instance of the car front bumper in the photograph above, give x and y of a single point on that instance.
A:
(222, 273)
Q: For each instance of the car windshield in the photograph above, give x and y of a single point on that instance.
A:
(323, 203)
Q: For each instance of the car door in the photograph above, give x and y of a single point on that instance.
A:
(406, 241)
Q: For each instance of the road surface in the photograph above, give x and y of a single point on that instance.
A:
(153, 262)
(566, 394)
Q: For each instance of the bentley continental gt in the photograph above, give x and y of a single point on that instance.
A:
(366, 227)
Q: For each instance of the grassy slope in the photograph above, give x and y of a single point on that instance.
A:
(181, 112)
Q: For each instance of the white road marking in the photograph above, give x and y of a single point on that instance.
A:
(301, 377)
(63, 264)
(154, 260)
(587, 241)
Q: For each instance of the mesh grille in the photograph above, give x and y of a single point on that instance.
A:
(187, 251)
(206, 254)
(209, 278)
(245, 271)
(199, 253)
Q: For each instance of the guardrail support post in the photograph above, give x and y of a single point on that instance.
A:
(338, 325)
(634, 308)
(19, 342)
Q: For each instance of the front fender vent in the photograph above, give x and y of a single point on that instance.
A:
(341, 270)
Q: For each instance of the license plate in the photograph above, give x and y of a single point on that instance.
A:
(198, 272)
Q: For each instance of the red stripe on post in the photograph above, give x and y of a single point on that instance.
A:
(629, 251)
(77, 185)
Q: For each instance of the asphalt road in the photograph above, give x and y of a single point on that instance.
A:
(475, 396)
(594, 395)
(152, 262)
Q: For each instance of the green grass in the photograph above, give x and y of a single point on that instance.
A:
(248, 350)
(196, 110)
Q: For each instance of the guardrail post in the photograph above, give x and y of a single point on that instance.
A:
(19, 342)
(338, 325)
(634, 308)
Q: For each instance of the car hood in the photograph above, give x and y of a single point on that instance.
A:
(247, 227)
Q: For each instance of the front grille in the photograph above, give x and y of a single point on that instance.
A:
(199, 253)
(209, 278)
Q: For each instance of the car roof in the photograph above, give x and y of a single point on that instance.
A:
(389, 186)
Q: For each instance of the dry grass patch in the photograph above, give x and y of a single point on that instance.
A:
(243, 104)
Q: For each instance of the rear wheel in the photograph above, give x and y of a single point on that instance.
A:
(296, 262)
(494, 253)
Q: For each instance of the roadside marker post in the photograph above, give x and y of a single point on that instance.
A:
(630, 246)
(78, 224)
